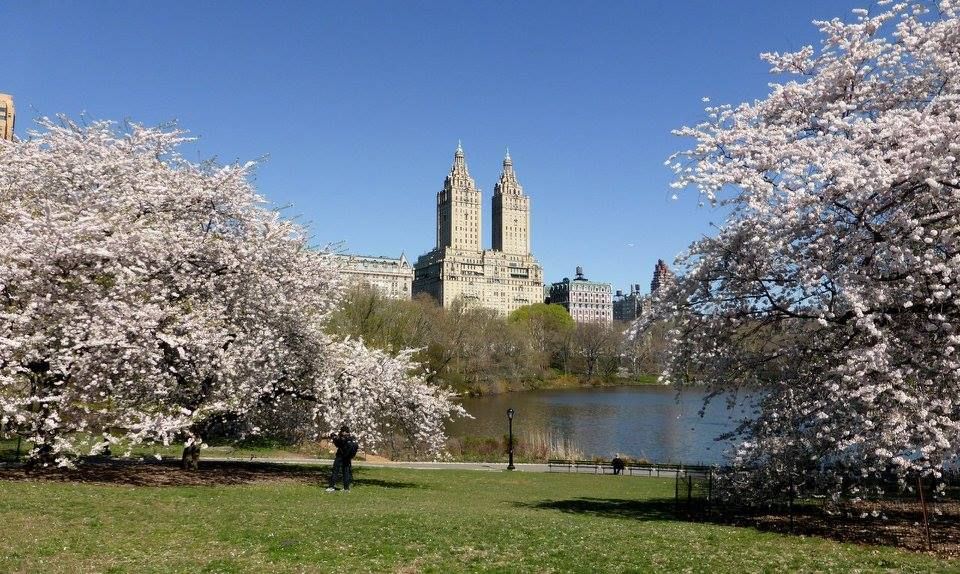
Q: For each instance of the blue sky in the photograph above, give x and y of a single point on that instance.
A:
(357, 106)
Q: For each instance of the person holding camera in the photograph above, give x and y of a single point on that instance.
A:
(347, 448)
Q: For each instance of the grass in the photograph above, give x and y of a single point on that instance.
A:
(646, 380)
(394, 521)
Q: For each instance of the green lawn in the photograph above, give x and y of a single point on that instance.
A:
(395, 520)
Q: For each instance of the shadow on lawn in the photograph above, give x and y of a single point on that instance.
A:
(359, 480)
(652, 509)
(211, 473)
(896, 524)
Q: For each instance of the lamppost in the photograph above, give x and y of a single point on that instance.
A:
(510, 419)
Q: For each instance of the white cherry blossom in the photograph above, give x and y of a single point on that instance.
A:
(142, 294)
(832, 282)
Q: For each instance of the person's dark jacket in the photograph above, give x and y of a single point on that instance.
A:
(342, 442)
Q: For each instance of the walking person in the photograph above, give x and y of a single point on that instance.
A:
(347, 448)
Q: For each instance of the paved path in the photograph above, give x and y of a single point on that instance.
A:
(483, 466)
(488, 466)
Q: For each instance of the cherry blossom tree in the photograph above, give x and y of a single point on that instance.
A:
(832, 283)
(142, 295)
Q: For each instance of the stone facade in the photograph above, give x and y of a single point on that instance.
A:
(459, 208)
(503, 278)
(511, 213)
(7, 117)
(586, 301)
(392, 278)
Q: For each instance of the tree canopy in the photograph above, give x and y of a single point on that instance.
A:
(478, 351)
(832, 282)
(552, 317)
(142, 295)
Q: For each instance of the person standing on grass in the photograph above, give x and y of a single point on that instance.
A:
(347, 448)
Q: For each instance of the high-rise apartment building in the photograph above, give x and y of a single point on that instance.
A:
(458, 268)
(662, 277)
(459, 208)
(7, 116)
(511, 213)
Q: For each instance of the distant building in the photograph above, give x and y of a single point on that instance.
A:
(458, 268)
(662, 278)
(586, 301)
(392, 278)
(627, 306)
(630, 306)
(7, 117)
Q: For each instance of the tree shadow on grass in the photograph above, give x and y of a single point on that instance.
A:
(360, 480)
(652, 509)
(896, 524)
(169, 473)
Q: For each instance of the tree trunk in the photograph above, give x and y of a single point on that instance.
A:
(43, 457)
(191, 457)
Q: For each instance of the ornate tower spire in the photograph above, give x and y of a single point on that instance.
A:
(459, 176)
(508, 183)
(511, 213)
(458, 207)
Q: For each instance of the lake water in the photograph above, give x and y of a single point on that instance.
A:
(651, 421)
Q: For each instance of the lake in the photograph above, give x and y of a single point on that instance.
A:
(649, 421)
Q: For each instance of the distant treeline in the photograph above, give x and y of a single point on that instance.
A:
(475, 350)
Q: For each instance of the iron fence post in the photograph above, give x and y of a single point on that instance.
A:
(709, 493)
(676, 493)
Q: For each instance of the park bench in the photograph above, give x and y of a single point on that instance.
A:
(597, 467)
(652, 469)
(632, 468)
(588, 464)
(577, 465)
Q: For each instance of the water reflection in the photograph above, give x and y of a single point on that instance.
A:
(650, 421)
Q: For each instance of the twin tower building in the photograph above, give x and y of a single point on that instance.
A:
(458, 268)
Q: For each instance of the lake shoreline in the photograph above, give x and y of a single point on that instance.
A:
(560, 383)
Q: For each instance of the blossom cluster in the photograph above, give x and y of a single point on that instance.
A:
(832, 284)
(142, 294)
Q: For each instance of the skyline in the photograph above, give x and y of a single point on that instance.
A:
(362, 106)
